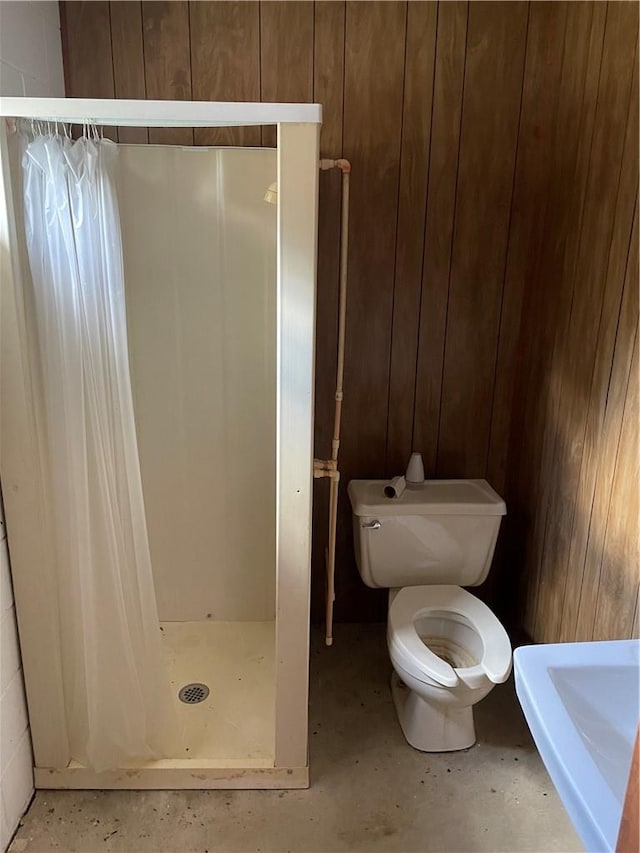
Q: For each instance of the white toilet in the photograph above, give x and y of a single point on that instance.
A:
(446, 646)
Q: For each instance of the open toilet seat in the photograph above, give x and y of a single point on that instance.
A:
(409, 651)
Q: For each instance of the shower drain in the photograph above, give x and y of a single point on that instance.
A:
(191, 694)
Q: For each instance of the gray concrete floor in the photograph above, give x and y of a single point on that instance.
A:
(369, 792)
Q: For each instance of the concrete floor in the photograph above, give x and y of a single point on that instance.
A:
(369, 792)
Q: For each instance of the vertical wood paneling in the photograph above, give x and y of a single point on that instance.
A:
(618, 584)
(618, 324)
(493, 300)
(443, 175)
(547, 26)
(490, 114)
(225, 63)
(594, 499)
(544, 55)
(167, 62)
(629, 830)
(414, 167)
(375, 40)
(571, 136)
(565, 439)
(575, 348)
(547, 303)
(328, 72)
(88, 63)
(328, 87)
(128, 61)
(286, 55)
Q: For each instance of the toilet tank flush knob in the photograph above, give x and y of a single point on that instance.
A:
(415, 469)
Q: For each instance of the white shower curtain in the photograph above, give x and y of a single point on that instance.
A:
(116, 688)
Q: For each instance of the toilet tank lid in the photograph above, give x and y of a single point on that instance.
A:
(433, 497)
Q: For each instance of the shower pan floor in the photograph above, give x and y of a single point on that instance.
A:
(235, 660)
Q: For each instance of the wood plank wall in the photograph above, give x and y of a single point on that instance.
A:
(492, 311)
(573, 460)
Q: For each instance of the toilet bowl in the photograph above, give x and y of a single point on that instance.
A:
(447, 650)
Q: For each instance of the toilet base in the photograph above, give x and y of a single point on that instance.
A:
(428, 728)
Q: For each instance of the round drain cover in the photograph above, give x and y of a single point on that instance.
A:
(193, 693)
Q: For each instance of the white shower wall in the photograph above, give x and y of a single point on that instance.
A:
(200, 269)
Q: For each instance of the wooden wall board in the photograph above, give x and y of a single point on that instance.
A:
(538, 121)
(328, 87)
(491, 317)
(571, 135)
(128, 61)
(618, 581)
(412, 199)
(372, 134)
(286, 55)
(581, 593)
(629, 831)
(86, 51)
(618, 325)
(451, 49)
(225, 63)
(575, 347)
(548, 303)
(167, 61)
(490, 115)
(531, 190)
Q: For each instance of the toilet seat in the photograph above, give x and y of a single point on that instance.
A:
(418, 660)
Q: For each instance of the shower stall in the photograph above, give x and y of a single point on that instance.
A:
(219, 291)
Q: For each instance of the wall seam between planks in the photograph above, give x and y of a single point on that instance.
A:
(613, 479)
(572, 275)
(424, 231)
(604, 419)
(514, 176)
(395, 245)
(565, 568)
(116, 130)
(452, 243)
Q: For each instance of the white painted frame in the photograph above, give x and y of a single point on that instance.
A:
(129, 113)
(33, 572)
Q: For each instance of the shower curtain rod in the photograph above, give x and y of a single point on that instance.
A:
(136, 113)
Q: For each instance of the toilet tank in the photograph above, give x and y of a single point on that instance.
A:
(438, 532)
